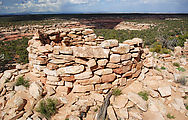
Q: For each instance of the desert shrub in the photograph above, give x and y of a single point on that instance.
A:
(169, 116)
(176, 64)
(22, 81)
(182, 80)
(157, 47)
(181, 69)
(163, 68)
(47, 107)
(186, 106)
(144, 95)
(157, 68)
(116, 92)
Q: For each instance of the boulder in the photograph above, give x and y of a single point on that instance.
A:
(53, 78)
(35, 90)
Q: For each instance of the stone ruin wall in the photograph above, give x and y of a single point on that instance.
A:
(79, 61)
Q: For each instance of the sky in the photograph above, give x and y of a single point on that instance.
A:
(93, 6)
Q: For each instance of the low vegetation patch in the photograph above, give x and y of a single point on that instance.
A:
(22, 81)
(116, 92)
(47, 107)
(176, 64)
(163, 68)
(144, 95)
(186, 106)
(169, 116)
(181, 69)
(158, 48)
(182, 80)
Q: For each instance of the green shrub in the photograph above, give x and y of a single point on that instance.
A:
(170, 116)
(158, 48)
(22, 81)
(144, 95)
(163, 68)
(116, 92)
(181, 69)
(176, 64)
(47, 107)
(186, 106)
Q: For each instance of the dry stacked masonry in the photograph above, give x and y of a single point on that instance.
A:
(81, 62)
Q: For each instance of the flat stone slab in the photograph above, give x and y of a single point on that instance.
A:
(136, 99)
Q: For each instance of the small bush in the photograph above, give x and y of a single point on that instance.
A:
(186, 106)
(181, 69)
(144, 95)
(22, 81)
(176, 64)
(163, 68)
(170, 116)
(185, 97)
(47, 107)
(182, 80)
(116, 92)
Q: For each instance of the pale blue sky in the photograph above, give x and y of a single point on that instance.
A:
(93, 6)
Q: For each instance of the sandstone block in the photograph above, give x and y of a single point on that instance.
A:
(122, 69)
(91, 63)
(53, 78)
(103, 71)
(108, 78)
(71, 69)
(81, 88)
(84, 75)
(113, 65)
(109, 43)
(66, 50)
(68, 78)
(121, 49)
(102, 62)
(103, 86)
(94, 80)
(91, 52)
(126, 57)
(87, 31)
(114, 58)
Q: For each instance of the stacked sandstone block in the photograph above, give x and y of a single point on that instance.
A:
(78, 61)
